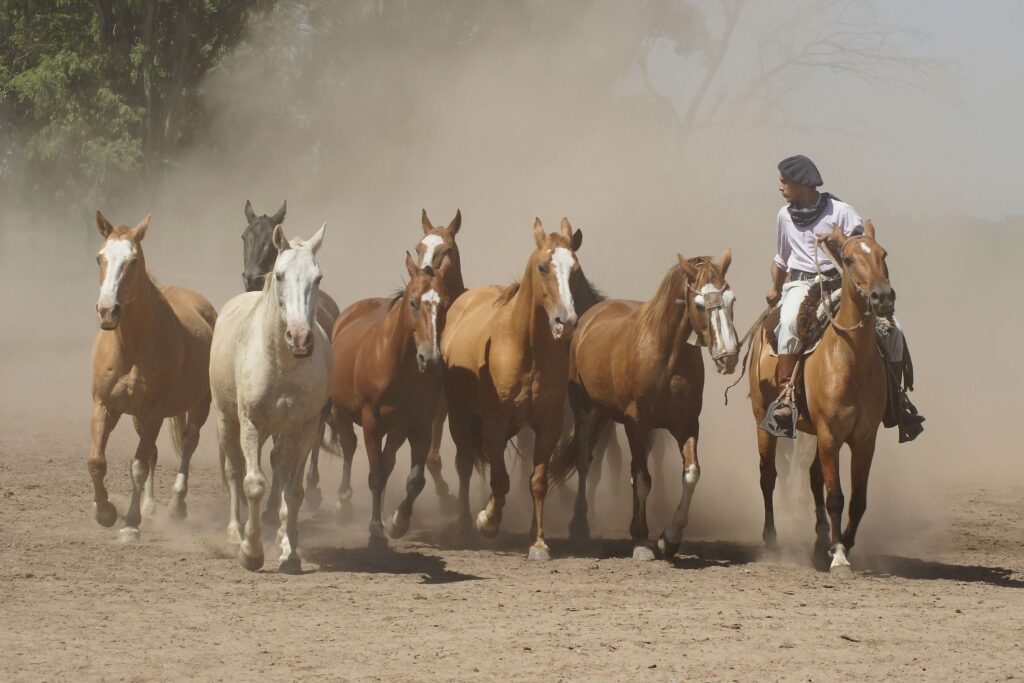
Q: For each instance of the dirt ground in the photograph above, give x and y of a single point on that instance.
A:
(941, 603)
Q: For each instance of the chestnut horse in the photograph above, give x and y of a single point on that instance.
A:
(270, 364)
(636, 364)
(258, 256)
(150, 360)
(845, 395)
(506, 352)
(387, 379)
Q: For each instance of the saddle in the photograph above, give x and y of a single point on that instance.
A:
(811, 319)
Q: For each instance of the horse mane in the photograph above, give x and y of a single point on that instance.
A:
(658, 311)
(507, 293)
(588, 297)
(397, 295)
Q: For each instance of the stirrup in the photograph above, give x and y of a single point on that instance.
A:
(772, 426)
(909, 421)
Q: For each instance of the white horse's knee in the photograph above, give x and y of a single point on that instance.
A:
(254, 485)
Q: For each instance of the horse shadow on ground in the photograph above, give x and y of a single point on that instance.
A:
(379, 558)
(926, 570)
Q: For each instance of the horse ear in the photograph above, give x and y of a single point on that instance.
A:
(103, 224)
(410, 265)
(318, 239)
(139, 231)
(278, 217)
(577, 240)
(688, 268)
(456, 223)
(566, 229)
(869, 228)
(427, 225)
(250, 215)
(280, 241)
(538, 232)
(724, 261)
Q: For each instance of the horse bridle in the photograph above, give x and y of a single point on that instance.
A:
(869, 308)
(713, 300)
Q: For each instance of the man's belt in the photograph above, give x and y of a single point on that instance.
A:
(795, 274)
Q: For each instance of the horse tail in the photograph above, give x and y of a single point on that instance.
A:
(563, 460)
(177, 425)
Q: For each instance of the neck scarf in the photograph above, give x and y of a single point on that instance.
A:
(804, 217)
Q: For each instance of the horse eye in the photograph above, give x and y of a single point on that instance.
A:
(279, 276)
(848, 261)
(543, 269)
(414, 304)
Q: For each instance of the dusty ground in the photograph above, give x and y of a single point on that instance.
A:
(946, 604)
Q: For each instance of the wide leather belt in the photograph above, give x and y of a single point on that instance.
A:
(805, 275)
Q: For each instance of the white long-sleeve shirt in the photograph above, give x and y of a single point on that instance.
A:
(796, 245)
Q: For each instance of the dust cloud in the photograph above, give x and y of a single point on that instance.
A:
(549, 110)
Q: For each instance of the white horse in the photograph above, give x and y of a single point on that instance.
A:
(269, 371)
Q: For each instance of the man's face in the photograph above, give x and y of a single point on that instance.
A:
(787, 189)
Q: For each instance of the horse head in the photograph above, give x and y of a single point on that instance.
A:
(554, 267)
(862, 260)
(258, 250)
(438, 249)
(122, 266)
(710, 300)
(295, 284)
(426, 302)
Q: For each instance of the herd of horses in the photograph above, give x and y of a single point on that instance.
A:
(548, 353)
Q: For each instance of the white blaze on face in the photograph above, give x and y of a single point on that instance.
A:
(117, 253)
(562, 261)
(430, 300)
(430, 245)
(295, 288)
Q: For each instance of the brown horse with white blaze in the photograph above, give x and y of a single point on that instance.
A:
(640, 364)
(506, 353)
(844, 382)
(387, 379)
(150, 361)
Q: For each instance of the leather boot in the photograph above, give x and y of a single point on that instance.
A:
(908, 420)
(783, 412)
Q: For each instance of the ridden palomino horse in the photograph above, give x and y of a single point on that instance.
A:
(844, 395)
(387, 379)
(636, 363)
(258, 255)
(506, 353)
(150, 361)
(269, 368)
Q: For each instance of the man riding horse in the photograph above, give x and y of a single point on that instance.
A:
(801, 263)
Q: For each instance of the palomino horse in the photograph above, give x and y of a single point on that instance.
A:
(269, 368)
(387, 379)
(635, 363)
(506, 352)
(258, 255)
(844, 391)
(151, 361)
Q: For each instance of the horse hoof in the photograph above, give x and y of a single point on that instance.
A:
(484, 526)
(105, 513)
(539, 554)
(642, 553)
(377, 530)
(178, 509)
(399, 525)
(668, 548)
(248, 560)
(841, 571)
(449, 505)
(292, 565)
(343, 512)
(377, 544)
(313, 499)
(129, 534)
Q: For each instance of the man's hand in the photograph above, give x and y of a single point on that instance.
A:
(773, 296)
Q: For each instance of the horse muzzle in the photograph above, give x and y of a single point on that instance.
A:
(726, 365)
(883, 300)
(563, 327)
(109, 315)
(299, 341)
(425, 362)
(252, 283)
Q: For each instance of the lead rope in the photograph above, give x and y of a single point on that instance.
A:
(746, 338)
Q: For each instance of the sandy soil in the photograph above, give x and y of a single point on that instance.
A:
(945, 604)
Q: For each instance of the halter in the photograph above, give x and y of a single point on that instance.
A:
(713, 300)
(868, 309)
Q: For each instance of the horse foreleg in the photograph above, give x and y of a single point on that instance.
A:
(103, 422)
(195, 419)
(313, 497)
(147, 505)
(419, 446)
(250, 552)
(145, 455)
(579, 527)
(828, 453)
(272, 515)
(766, 445)
(641, 481)
(448, 502)
(382, 463)
(233, 466)
(672, 536)
(346, 435)
(460, 425)
(494, 441)
(821, 528)
(546, 440)
(862, 454)
(294, 453)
